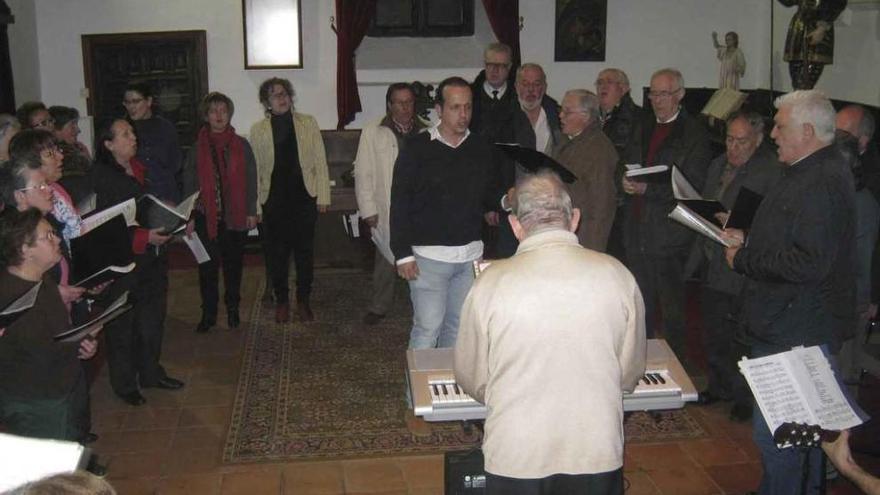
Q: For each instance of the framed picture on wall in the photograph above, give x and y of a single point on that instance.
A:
(580, 30)
(272, 34)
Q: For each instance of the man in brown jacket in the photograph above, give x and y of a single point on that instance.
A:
(591, 156)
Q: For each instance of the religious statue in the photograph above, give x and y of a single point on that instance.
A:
(733, 63)
(809, 45)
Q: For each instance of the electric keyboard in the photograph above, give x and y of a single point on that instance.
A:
(436, 397)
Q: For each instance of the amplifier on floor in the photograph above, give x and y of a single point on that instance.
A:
(463, 472)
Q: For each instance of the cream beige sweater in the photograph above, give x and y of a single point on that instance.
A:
(548, 340)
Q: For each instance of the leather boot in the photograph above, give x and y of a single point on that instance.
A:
(282, 312)
(304, 311)
(206, 323)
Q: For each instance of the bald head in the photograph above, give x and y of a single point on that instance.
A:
(541, 202)
(854, 120)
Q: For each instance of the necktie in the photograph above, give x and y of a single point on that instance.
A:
(494, 94)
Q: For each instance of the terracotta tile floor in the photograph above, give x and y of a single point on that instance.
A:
(172, 445)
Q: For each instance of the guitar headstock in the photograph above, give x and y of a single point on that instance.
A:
(801, 435)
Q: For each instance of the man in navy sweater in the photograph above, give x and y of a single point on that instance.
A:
(442, 186)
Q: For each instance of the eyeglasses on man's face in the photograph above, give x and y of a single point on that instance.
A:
(663, 94)
(43, 186)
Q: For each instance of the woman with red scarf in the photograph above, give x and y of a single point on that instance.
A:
(222, 168)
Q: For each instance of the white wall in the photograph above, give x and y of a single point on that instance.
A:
(855, 74)
(23, 51)
(642, 36)
(60, 23)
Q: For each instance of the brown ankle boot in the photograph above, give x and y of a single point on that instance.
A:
(304, 311)
(282, 312)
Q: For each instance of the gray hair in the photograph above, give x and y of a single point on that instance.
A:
(810, 107)
(523, 67)
(14, 175)
(542, 203)
(588, 102)
(620, 75)
(755, 121)
(673, 73)
(499, 48)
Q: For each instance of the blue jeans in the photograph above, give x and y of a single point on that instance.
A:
(437, 295)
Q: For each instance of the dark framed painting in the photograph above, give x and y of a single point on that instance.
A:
(580, 30)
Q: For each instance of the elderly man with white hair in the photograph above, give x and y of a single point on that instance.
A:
(799, 262)
(549, 339)
(591, 156)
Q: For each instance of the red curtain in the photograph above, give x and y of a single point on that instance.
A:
(352, 20)
(504, 18)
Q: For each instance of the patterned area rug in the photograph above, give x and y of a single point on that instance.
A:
(334, 388)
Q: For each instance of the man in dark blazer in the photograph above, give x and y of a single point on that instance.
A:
(747, 162)
(535, 126)
(799, 263)
(656, 246)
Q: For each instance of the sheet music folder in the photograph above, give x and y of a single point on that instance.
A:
(101, 254)
(153, 213)
(21, 305)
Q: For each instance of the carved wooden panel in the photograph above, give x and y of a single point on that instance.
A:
(173, 63)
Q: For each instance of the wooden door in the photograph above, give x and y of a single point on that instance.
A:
(173, 63)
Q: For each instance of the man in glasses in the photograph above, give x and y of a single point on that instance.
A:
(494, 110)
(494, 95)
(656, 246)
(535, 126)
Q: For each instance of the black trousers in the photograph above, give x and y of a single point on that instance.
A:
(286, 230)
(60, 418)
(720, 320)
(661, 280)
(134, 340)
(608, 483)
(227, 248)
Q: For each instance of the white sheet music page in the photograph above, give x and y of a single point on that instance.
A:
(823, 393)
(798, 386)
(27, 459)
(197, 247)
(776, 391)
(126, 208)
(681, 188)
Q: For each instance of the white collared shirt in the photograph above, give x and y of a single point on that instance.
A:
(434, 132)
(671, 119)
(488, 88)
(542, 132)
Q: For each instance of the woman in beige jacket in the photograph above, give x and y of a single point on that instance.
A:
(292, 187)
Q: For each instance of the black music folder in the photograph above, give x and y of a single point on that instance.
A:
(153, 213)
(534, 161)
(79, 332)
(101, 254)
(17, 308)
(744, 208)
